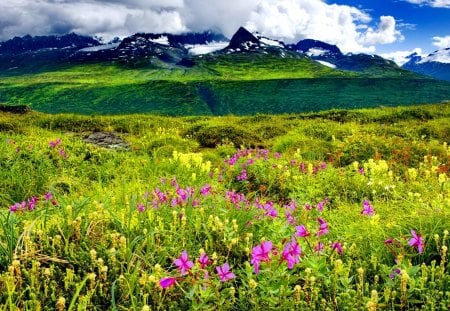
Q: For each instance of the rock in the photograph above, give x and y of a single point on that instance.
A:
(107, 140)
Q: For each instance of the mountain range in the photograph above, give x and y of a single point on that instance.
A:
(206, 73)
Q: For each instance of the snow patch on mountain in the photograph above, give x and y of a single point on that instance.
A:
(163, 40)
(315, 52)
(100, 47)
(326, 64)
(206, 48)
(271, 42)
(441, 56)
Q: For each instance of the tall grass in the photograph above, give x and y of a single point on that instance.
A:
(106, 229)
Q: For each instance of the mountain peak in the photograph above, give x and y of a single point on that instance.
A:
(243, 38)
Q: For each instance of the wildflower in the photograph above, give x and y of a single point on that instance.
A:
(416, 241)
(183, 263)
(203, 260)
(323, 229)
(260, 253)
(301, 231)
(361, 171)
(291, 253)
(367, 208)
(337, 246)
(242, 176)
(308, 207)
(167, 282)
(205, 190)
(48, 196)
(224, 272)
(54, 143)
(141, 207)
(396, 271)
(319, 247)
(62, 153)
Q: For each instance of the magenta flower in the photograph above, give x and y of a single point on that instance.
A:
(141, 207)
(367, 208)
(203, 260)
(183, 263)
(242, 176)
(205, 190)
(48, 196)
(416, 241)
(291, 253)
(260, 253)
(301, 231)
(54, 143)
(319, 247)
(337, 246)
(323, 229)
(224, 272)
(167, 282)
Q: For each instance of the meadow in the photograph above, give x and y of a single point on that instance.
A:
(332, 210)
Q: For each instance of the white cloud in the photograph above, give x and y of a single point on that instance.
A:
(384, 34)
(290, 20)
(400, 57)
(441, 42)
(345, 26)
(432, 3)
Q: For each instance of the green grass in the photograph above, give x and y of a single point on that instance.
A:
(90, 248)
(220, 85)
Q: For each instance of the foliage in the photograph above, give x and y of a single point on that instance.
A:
(338, 210)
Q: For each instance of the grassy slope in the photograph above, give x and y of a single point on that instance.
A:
(96, 223)
(219, 85)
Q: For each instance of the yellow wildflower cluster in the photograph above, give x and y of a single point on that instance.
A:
(192, 160)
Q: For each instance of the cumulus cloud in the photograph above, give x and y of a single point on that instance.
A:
(384, 34)
(290, 20)
(441, 42)
(400, 57)
(432, 3)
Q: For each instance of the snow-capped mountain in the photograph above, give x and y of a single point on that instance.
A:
(162, 50)
(436, 64)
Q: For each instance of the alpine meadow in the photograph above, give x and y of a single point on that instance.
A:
(141, 174)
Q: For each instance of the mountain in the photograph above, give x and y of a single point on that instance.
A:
(202, 74)
(436, 64)
(28, 44)
(330, 55)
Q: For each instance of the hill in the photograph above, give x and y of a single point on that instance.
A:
(251, 74)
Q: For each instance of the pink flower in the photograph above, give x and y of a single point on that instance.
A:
(323, 229)
(167, 282)
(48, 196)
(337, 246)
(367, 208)
(291, 253)
(301, 231)
(260, 253)
(141, 207)
(224, 272)
(242, 176)
(54, 143)
(416, 241)
(205, 190)
(183, 263)
(319, 247)
(203, 260)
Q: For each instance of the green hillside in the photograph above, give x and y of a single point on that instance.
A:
(216, 84)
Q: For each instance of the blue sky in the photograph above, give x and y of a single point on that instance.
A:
(418, 23)
(391, 28)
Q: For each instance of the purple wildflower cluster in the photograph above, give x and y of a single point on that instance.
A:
(185, 266)
(54, 144)
(31, 203)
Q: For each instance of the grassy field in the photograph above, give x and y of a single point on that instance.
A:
(216, 85)
(332, 210)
